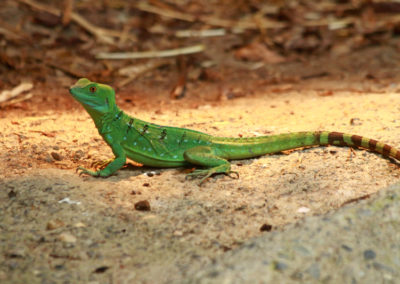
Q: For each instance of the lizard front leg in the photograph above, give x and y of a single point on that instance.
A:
(206, 157)
(115, 165)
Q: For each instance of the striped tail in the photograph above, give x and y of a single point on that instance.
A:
(343, 139)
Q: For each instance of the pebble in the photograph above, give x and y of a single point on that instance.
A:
(347, 248)
(15, 253)
(12, 194)
(369, 254)
(314, 271)
(67, 238)
(79, 154)
(56, 156)
(303, 210)
(143, 205)
(266, 228)
(69, 201)
(178, 233)
(79, 225)
(101, 269)
(54, 224)
(280, 266)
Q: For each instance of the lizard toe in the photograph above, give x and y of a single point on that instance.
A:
(229, 174)
(83, 171)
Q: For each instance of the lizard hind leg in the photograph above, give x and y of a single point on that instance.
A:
(206, 157)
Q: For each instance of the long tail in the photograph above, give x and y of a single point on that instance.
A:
(343, 139)
(238, 148)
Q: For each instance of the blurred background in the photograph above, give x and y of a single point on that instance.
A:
(201, 50)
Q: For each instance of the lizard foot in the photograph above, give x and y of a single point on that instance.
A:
(83, 171)
(101, 164)
(206, 173)
(229, 174)
(202, 174)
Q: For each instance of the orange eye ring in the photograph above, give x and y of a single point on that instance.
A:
(92, 89)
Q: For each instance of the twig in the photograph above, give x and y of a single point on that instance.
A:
(179, 90)
(100, 33)
(134, 71)
(62, 68)
(201, 33)
(104, 35)
(197, 33)
(68, 7)
(165, 12)
(241, 24)
(7, 95)
(332, 24)
(12, 33)
(151, 54)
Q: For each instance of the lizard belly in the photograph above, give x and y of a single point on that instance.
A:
(154, 160)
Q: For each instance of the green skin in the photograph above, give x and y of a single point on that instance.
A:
(162, 146)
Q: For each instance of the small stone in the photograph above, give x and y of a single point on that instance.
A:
(347, 248)
(59, 267)
(150, 217)
(369, 254)
(178, 233)
(79, 225)
(279, 266)
(303, 210)
(355, 121)
(240, 208)
(67, 238)
(54, 224)
(101, 269)
(143, 205)
(15, 253)
(383, 267)
(69, 201)
(12, 194)
(78, 155)
(266, 228)
(47, 189)
(48, 158)
(314, 271)
(56, 156)
(297, 275)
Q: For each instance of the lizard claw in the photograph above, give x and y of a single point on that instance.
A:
(206, 173)
(202, 174)
(229, 174)
(83, 171)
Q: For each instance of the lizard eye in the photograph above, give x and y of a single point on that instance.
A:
(92, 89)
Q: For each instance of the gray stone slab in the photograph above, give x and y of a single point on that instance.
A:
(359, 243)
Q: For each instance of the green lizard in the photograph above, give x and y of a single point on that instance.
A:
(162, 146)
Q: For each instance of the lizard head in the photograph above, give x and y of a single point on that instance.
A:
(96, 98)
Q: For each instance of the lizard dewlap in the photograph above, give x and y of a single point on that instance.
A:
(163, 146)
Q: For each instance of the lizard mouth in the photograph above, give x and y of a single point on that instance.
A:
(74, 91)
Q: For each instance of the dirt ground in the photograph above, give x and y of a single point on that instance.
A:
(59, 227)
(263, 68)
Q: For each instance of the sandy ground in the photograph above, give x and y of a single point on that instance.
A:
(59, 227)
